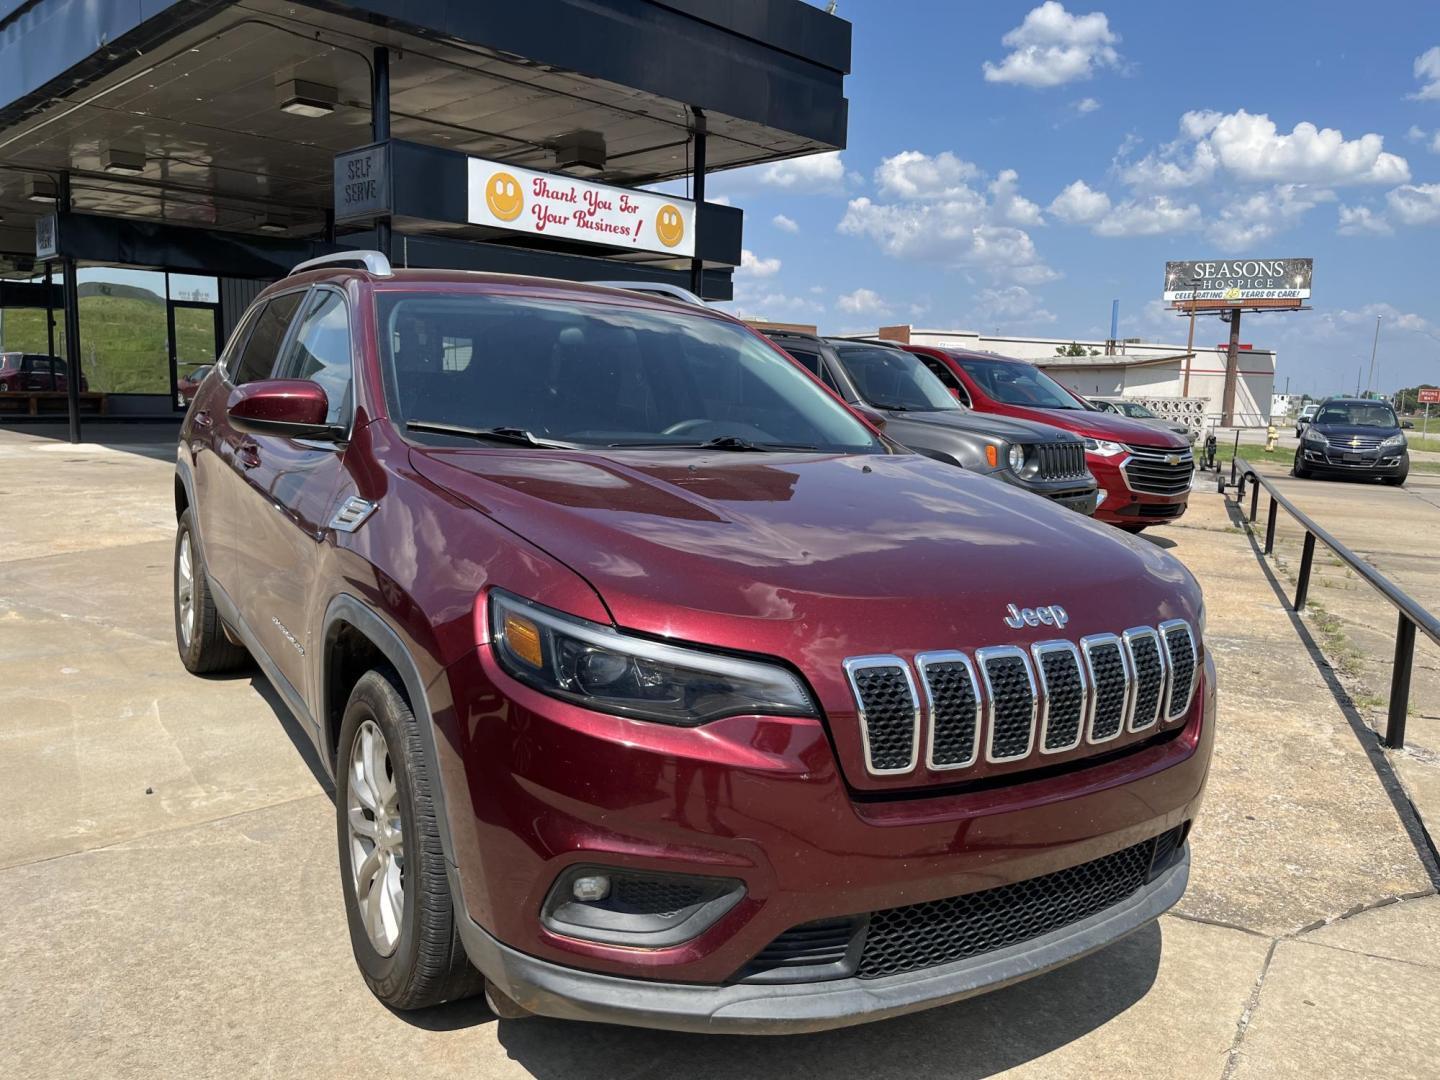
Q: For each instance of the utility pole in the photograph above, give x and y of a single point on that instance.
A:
(1373, 346)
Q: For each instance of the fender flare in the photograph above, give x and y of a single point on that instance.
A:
(349, 609)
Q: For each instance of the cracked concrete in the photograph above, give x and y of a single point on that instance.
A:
(197, 930)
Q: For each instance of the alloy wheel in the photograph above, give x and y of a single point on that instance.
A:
(377, 842)
(185, 589)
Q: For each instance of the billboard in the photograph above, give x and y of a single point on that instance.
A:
(550, 204)
(1239, 282)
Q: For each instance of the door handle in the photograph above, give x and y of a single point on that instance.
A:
(249, 455)
(202, 419)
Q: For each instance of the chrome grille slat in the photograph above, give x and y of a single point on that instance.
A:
(1062, 460)
(888, 711)
(1010, 702)
(1112, 685)
(1149, 669)
(1181, 653)
(952, 700)
(1064, 695)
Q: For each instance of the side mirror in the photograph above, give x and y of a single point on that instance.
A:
(873, 418)
(287, 408)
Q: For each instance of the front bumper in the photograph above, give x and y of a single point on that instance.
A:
(1081, 495)
(1125, 506)
(1363, 462)
(550, 989)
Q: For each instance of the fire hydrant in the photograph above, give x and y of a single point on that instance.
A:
(1270, 435)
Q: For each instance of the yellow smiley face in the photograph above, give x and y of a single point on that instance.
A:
(503, 196)
(669, 226)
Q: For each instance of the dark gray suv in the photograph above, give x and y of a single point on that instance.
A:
(895, 389)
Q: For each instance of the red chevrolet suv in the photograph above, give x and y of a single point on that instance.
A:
(1144, 472)
(658, 688)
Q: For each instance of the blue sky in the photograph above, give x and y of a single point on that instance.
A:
(1017, 166)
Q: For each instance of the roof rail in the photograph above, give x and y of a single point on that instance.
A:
(674, 292)
(373, 261)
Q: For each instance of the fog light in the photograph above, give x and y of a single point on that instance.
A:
(591, 889)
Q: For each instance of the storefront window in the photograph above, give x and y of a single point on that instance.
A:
(124, 333)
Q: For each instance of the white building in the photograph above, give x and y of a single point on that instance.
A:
(1139, 370)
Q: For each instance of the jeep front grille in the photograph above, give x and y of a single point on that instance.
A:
(1149, 470)
(953, 698)
(1010, 701)
(1061, 460)
(1015, 704)
(889, 712)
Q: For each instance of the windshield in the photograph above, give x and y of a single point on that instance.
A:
(1139, 412)
(596, 374)
(1374, 414)
(891, 379)
(1012, 382)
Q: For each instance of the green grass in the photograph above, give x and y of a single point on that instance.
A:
(123, 341)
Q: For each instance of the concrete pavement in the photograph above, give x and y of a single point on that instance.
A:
(173, 904)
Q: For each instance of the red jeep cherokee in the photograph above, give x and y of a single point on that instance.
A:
(1144, 472)
(658, 689)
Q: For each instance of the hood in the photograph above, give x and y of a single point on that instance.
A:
(814, 559)
(1010, 428)
(1341, 432)
(1103, 425)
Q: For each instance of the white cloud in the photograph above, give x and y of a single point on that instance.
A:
(1415, 204)
(1080, 204)
(1148, 217)
(1014, 303)
(1251, 148)
(862, 302)
(754, 266)
(1427, 73)
(937, 217)
(784, 224)
(1008, 204)
(1086, 105)
(1264, 214)
(911, 174)
(1053, 47)
(1362, 221)
(718, 200)
(816, 173)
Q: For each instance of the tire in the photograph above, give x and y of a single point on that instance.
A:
(1396, 481)
(411, 958)
(1298, 469)
(199, 633)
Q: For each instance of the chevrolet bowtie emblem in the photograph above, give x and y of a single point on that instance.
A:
(1172, 459)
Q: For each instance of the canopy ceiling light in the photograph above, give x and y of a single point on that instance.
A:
(581, 153)
(113, 159)
(270, 225)
(300, 97)
(39, 189)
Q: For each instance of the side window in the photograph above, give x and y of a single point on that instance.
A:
(261, 351)
(812, 362)
(321, 352)
(946, 376)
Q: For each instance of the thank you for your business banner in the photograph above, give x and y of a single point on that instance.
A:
(548, 204)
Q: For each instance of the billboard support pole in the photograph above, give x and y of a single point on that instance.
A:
(1232, 371)
(1189, 347)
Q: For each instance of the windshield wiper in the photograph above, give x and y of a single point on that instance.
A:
(518, 436)
(890, 406)
(720, 442)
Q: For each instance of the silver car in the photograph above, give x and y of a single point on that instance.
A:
(1135, 411)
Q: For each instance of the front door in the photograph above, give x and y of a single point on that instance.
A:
(194, 342)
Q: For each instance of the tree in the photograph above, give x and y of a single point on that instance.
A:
(1075, 349)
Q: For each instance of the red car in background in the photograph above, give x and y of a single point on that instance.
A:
(1144, 472)
(28, 372)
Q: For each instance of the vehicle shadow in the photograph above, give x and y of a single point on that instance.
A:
(965, 1041)
(152, 439)
(1164, 543)
(298, 736)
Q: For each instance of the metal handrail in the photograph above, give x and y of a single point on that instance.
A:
(1411, 615)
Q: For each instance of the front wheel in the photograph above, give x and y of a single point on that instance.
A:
(1398, 480)
(392, 868)
(199, 633)
(1298, 469)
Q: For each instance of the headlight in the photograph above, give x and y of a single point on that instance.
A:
(1394, 442)
(1103, 447)
(1311, 435)
(600, 668)
(1016, 458)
